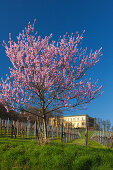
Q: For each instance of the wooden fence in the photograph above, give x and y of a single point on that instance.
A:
(104, 137)
(27, 130)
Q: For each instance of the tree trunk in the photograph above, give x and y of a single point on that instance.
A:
(44, 129)
(44, 125)
(44, 122)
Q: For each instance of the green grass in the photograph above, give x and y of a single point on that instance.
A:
(90, 133)
(91, 143)
(28, 155)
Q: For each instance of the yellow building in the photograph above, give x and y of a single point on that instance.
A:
(77, 121)
(80, 121)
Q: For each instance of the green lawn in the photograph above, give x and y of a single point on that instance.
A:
(91, 143)
(28, 155)
(90, 133)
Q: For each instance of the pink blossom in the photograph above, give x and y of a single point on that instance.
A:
(48, 72)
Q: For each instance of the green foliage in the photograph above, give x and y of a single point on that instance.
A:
(82, 163)
(18, 154)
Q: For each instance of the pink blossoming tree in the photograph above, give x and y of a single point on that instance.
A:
(47, 74)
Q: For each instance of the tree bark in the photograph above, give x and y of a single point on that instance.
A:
(44, 129)
(44, 124)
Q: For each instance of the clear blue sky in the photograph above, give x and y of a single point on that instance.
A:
(59, 17)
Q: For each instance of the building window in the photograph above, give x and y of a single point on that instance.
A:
(82, 118)
(82, 123)
(68, 119)
(73, 119)
(77, 124)
(77, 118)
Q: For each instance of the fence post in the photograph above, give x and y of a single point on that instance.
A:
(52, 132)
(35, 129)
(103, 132)
(86, 133)
(75, 134)
(110, 138)
(67, 133)
(62, 132)
(21, 128)
(71, 132)
(47, 130)
(0, 123)
(100, 136)
(1, 127)
(17, 127)
(27, 125)
(7, 127)
(57, 130)
(12, 130)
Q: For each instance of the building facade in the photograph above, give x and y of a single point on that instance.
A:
(77, 121)
(80, 121)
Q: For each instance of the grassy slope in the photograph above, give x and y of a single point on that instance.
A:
(25, 154)
(91, 143)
